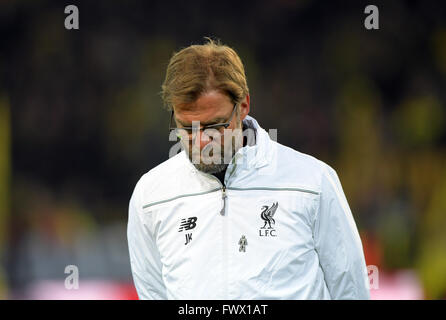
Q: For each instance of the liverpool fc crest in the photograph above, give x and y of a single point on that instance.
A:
(267, 215)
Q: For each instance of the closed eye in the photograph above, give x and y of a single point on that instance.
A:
(216, 126)
(210, 126)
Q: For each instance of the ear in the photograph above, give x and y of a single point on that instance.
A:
(244, 107)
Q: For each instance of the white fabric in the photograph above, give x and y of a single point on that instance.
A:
(312, 251)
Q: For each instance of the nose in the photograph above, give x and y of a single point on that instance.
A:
(202, 139)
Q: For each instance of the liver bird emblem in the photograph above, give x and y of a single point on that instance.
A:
(268, 214)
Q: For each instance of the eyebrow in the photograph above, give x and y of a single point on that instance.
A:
(214, 121)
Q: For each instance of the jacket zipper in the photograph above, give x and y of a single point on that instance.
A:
(223, 196)
(224, 242)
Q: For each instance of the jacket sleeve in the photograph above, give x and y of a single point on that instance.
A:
(338, 243)
(144, 256)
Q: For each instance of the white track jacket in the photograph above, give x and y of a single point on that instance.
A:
(279, 228)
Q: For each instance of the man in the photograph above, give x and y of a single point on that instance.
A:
(236, 215)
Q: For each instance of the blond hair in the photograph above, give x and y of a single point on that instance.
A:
(197, 69)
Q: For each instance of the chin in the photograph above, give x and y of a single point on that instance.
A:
(210, 168)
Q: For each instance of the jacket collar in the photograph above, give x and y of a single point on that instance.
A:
(255, 154)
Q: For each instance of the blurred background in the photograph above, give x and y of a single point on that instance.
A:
(81, 119)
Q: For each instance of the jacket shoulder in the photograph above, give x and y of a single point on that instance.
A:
(301, 167)
(160, 179)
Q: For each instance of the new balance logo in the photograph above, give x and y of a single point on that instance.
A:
(188, 224)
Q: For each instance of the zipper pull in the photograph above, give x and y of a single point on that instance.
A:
(223, 196)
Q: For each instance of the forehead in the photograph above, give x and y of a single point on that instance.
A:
(211, 106)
